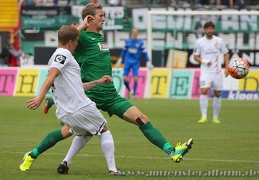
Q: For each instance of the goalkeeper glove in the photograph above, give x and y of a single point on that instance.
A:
(118, 62)
(150, 66)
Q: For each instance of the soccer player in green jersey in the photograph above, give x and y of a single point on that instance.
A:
(93, 56)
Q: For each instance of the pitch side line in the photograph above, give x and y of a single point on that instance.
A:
(189, 159)
(147, 157)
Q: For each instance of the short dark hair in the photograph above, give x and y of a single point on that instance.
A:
(209, 24)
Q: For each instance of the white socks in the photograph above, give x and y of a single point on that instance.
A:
(216, 107)
(77, 144)
(107, 145)
(203, 105)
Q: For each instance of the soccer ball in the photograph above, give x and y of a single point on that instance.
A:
(238, 68)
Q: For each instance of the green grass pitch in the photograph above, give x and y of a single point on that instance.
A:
(228, 149)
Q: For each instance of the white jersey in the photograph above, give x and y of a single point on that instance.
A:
(210, 49)
(67, 90)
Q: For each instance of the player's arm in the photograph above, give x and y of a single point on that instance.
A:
(200, 60)
(84, 25)
(197, 52)
(124, 50)
(144, 52)
(143, 49)
(224, 50)
(92, 84)
(122, 55)
(207, 62)
(226, 60)
(36, 102)
(197, 58)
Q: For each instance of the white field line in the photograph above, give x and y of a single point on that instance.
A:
(148, 157)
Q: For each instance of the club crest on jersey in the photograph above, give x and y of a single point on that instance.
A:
(60, 58)
(103, 46)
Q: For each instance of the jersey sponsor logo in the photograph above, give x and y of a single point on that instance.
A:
(103, 46)
(133, 50)
(60, 59)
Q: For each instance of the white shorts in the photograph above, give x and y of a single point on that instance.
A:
(86, 120)
(211, 80)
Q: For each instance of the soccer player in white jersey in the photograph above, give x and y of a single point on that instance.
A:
(207, 52)
(53, 137)
(74, 108)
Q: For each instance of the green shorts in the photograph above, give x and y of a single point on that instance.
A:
(109, 101)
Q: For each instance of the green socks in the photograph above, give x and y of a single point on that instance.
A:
(50, 140)
(154, 136)
(51, 101)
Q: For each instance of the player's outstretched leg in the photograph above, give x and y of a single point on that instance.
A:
(181, 150)
(155, 137)
(49, 103)
(50, 140)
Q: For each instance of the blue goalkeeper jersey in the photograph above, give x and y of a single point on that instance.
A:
(133, 50)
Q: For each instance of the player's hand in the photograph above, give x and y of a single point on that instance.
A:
(105, 79)
(88, 19)
(226, 72)
(34, 103)
(118, 62)
(150, 66)
(207, 62)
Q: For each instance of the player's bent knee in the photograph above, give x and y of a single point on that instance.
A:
(66, 132)
(217, 94)
(105, 128)
(140, 121)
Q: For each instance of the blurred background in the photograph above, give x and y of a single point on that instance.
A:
(28, 28)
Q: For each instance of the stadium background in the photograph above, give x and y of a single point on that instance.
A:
(176, 73)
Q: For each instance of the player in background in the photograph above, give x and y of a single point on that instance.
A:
(207, 52)
(131, 55)
(55, 136)
(93, 56)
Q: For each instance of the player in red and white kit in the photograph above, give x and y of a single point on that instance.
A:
(207, 52)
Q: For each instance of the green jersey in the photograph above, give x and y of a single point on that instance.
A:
(93, 57)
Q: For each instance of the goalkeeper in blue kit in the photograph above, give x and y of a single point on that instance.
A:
(131, 55)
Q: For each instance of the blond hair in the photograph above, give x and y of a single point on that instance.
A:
(90, 9)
